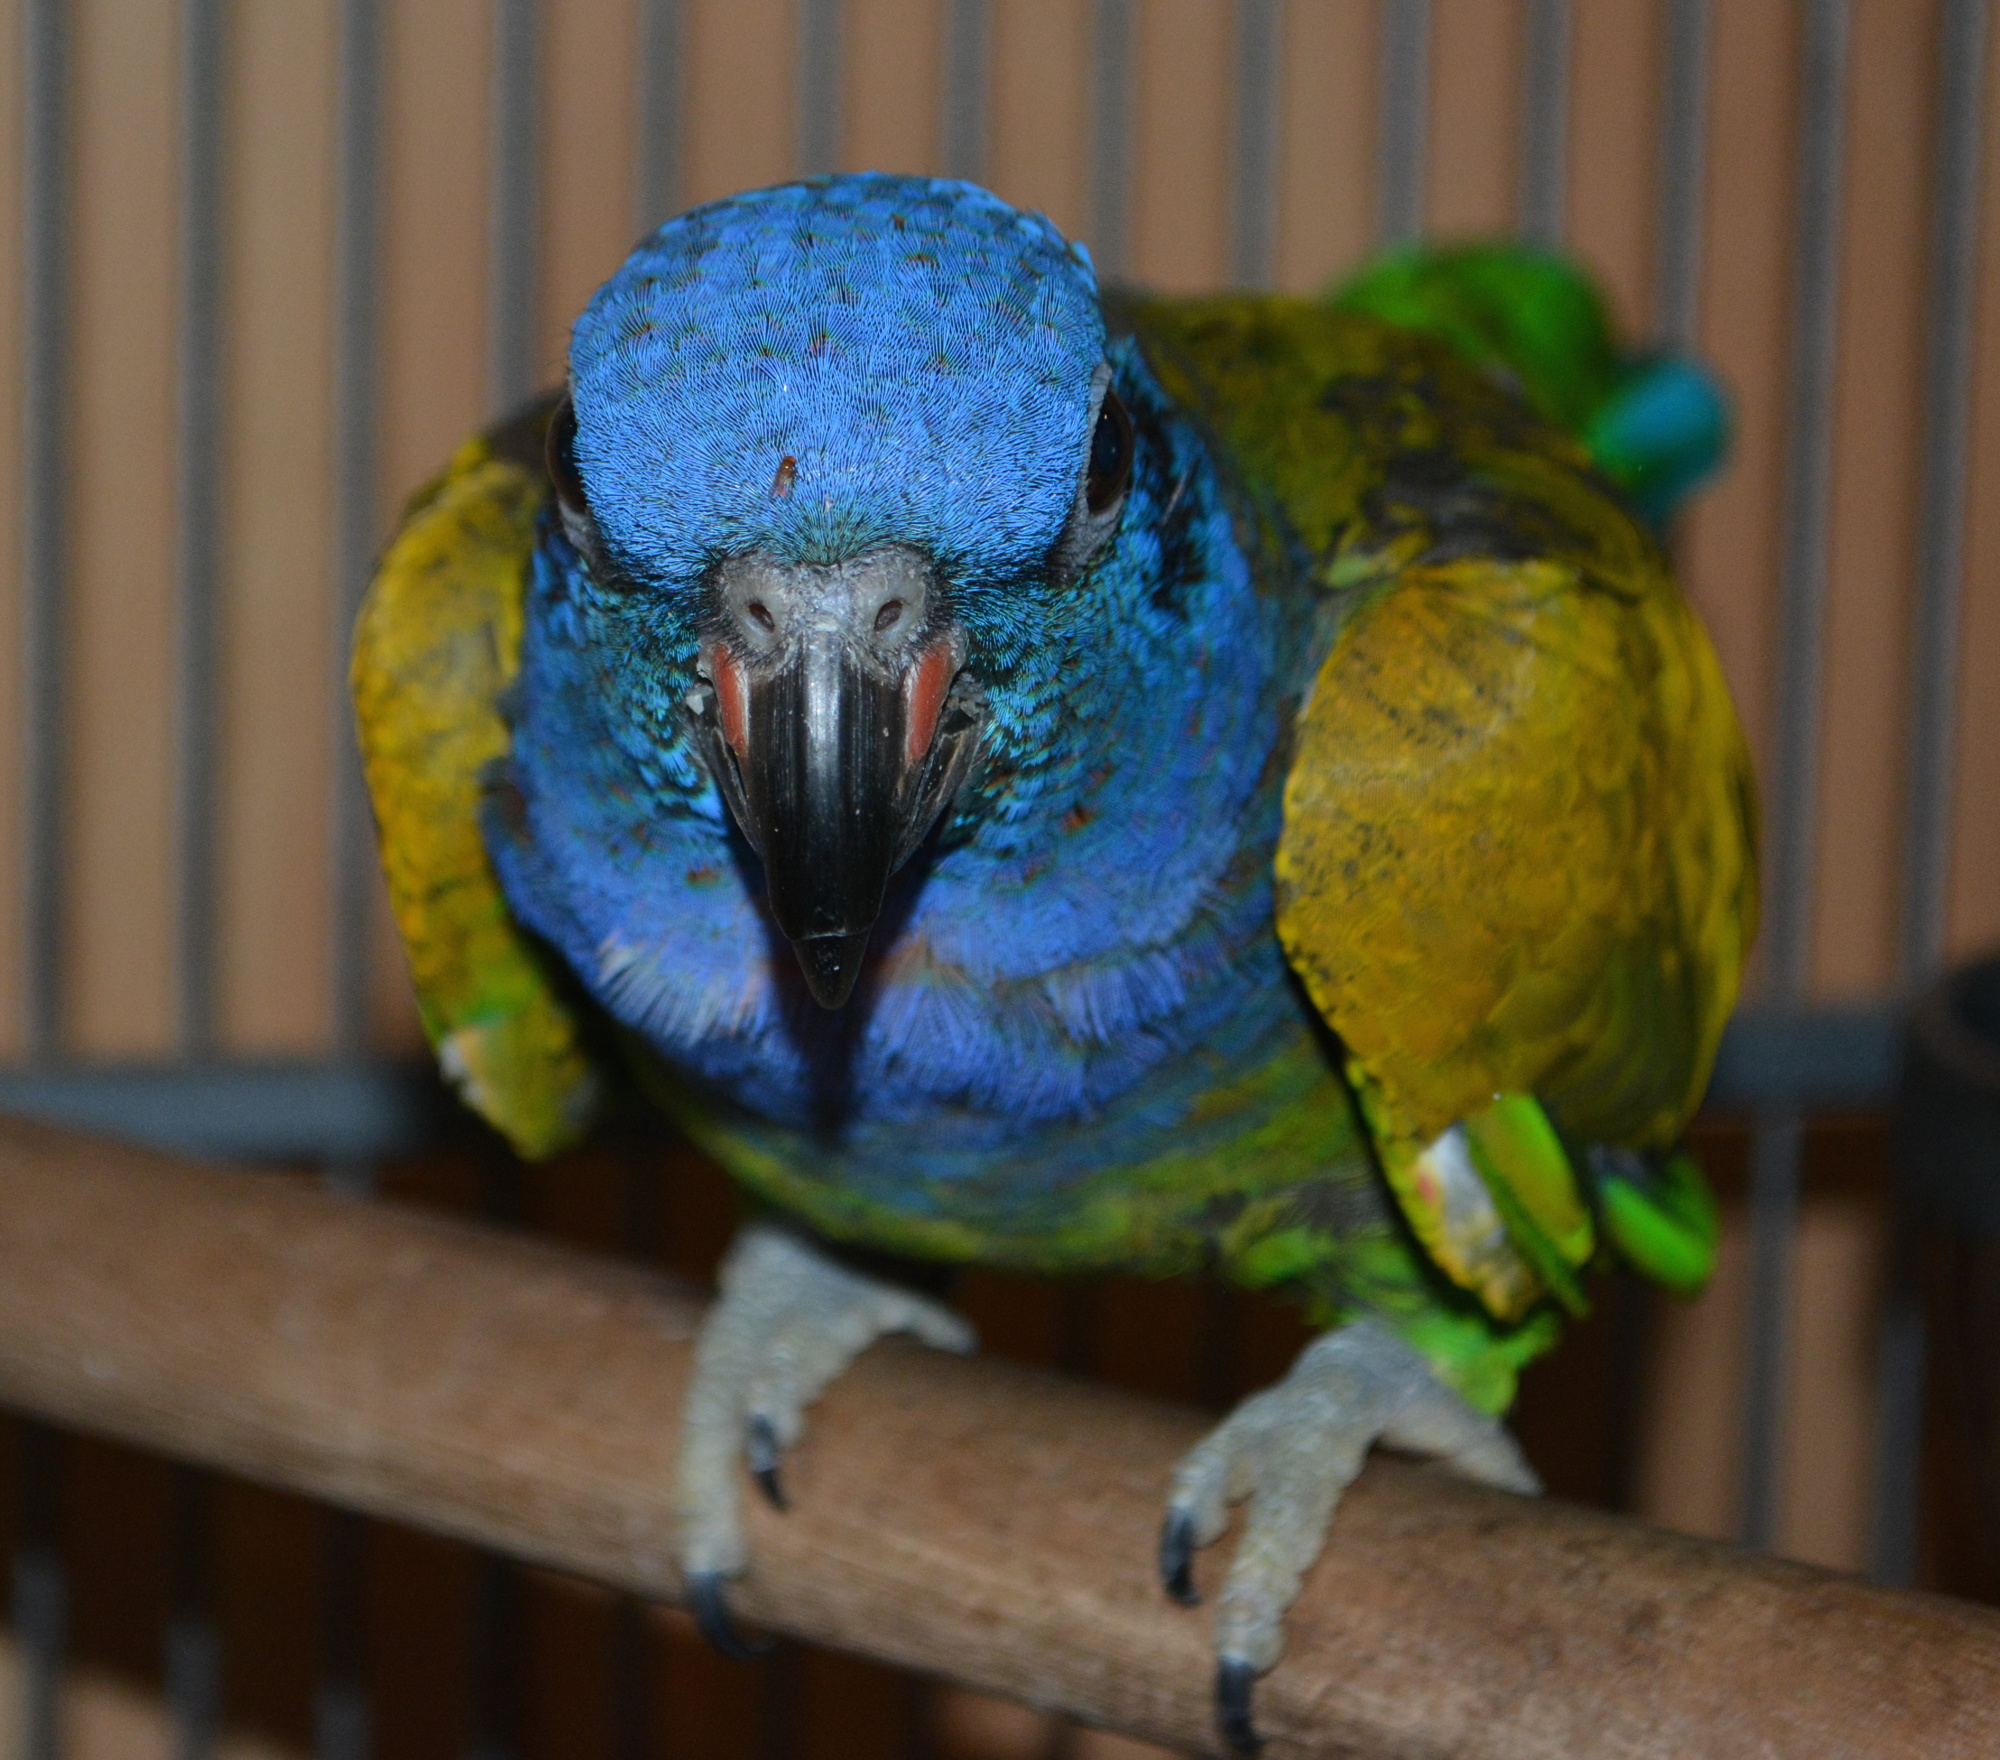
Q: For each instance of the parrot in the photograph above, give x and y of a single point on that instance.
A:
(1028, 773)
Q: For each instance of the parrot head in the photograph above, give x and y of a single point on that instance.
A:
(833, 460)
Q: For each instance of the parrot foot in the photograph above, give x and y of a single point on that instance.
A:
(790, 1318)
(1291, 1451)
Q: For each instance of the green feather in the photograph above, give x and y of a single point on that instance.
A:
(1661, 1216)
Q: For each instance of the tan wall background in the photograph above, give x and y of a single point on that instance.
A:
(280, 711)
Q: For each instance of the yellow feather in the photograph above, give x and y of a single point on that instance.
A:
(438, 640)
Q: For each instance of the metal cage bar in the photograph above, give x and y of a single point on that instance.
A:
(1406, 56)
(1940, 566)
(1112, 118)
(1778, 1142)
(1545, 122)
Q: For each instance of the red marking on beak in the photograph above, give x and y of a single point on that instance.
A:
(924, 696)
(727, 677)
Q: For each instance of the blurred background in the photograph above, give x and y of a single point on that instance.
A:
(264, 263)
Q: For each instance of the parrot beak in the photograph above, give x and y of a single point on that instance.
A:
(835, 713)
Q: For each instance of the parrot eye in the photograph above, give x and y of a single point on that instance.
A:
(1110, 455)
(561, 455)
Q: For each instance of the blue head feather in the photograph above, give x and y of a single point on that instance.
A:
(920, 350)
(1099, 900)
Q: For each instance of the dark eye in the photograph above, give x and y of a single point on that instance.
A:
(1110, 455)
(561, 455)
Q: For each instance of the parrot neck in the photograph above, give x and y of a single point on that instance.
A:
(1099, 905)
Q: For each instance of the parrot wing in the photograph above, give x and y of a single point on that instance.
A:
(437, 643)
(1516, 874)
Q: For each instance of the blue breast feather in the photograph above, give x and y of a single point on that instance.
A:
(1091, 928)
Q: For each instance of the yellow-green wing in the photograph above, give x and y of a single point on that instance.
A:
(1516, 872)
(438, 641)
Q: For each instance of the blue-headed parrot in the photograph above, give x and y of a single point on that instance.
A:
(1036, 775)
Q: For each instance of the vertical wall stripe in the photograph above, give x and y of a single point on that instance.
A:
(357, 322)
(1683, 168)
(516, 126)
(199, 538)
(1254, 195)
(967, 29)
(1545, 122)
(1778, 1139)
(819, 87)
(1941, 519)
(43, 492)
(1405, 113)
(656, 188)
(1112, 119)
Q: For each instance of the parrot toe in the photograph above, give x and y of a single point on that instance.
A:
(1291, 1451)
(709, 1603)
(789, 1319)
(1177, 1548)
(763, 1451)
(1235, 1682)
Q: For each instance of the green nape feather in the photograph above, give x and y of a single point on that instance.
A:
(1658, 425)
(1528, 315)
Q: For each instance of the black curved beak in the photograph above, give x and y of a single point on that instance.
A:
(836, 715)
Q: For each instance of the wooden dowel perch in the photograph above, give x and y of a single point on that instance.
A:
(973, 1520)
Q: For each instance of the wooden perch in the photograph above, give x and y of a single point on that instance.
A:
(971, 1520)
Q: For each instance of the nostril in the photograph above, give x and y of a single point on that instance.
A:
(761, 616)
(886, 619)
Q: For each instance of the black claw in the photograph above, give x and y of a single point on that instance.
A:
(763, 1451)
(1234, 1679)
(712, 1620)
(1177, 1557)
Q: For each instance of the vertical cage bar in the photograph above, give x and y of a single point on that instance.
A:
(1777, 1147)
(357, 225)
(1777, 1138)
(967, 30)
(194, 1652)
(1901, 1365)
(1807, 497)
(198, 554)
(1112, 106)
(43, 448)
(1940, 563)
(40, 1609)
(494, 1616)
(341, 1722)
(1406, 78)
(819, 107)
(1545, 122)
(40, 1587)
(516, 164)
(1683, 171)
(656, 188)
(340, 1702)
(1941, 527)
(1254, 195)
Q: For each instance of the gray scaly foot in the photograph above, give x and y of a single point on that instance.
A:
(1291, 1451)
(790, 1318)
